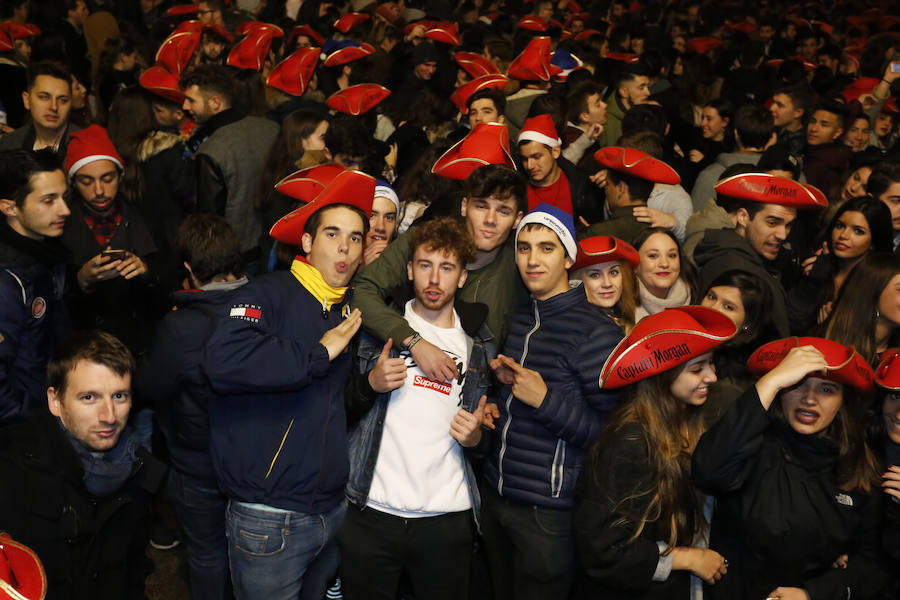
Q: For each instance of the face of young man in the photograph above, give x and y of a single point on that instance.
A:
(490, 220)
(94, 406)
(542, 261)
(44, 211)
(635, 91)
(891, 197)
(200, 106)
(167, 115)
(596, 111)
(425, 70)
(436, 275)
(540, 163)
(768, 230)
(98, 184)
(484, 110)
(337, 249)
(49, 101)
(206, 15)
(823, 128)
(784, 111)
(211, 47)
(383, 220)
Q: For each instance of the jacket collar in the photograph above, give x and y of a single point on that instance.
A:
(560, 303)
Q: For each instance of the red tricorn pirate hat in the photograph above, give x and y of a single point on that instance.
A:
(293, 74)
(390, 11)
(665, 340)
(600, 249)
(256, 26)
(487, 144)
(357, 99)
(6, 44)
(347, 54)
(580, 37)
(162, 83)
(533, 64)
(845, 365)
(625, 57)
(744, 27)
(219, 31)
(460, 97)
(476, 65)
(445, 33)
(175, 52)
(306, 184)
(22, 575)
(533, 23)
(772, 189)
(349, 187)
(347, 22)
(191, 26)
(251, 52)
(636, 163)
(306, 30)
(703, 44)
(887, 374)
(180, 10)
(427, 24)
(19, 31)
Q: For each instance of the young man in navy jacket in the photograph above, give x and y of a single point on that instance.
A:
(550, 409)
(277, 367)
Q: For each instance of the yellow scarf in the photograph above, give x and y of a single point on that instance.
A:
(310, 278)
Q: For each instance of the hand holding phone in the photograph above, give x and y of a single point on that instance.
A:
(111, 255)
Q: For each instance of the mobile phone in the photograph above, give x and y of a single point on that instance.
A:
(113, 255)
(895, 67)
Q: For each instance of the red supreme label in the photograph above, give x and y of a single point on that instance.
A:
(431, 384)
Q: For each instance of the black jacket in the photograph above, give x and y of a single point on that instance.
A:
(780, 518)
(91, 547)
(586, 202)
(171, 378)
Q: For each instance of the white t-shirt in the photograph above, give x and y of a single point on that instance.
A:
(419, 471)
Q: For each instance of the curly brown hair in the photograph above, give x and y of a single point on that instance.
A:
(443, 233)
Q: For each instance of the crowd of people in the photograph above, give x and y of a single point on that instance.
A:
(419, 299)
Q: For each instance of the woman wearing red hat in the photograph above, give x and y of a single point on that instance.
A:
(795, 483)
(605, 267)
(639, 521)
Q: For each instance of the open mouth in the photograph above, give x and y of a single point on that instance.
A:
(807, 417)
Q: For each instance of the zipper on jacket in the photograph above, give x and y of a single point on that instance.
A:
(537, 324)
(556, 470)
(280, 446)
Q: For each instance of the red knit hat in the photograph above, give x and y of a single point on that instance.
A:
(306, 184)
(475, 64)
(771, 189)
(162, 83)
(22, 575)
(293, 74)
(487, 144)
(845, 365)
(357, 99)
(460, 97)
(533, 64)
(600, 249)
(348, 187)
(175, 52)
(90, 145)
(637, 163)
(665, 340)
(541, 129)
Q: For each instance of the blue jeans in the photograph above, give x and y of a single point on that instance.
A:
(280, 554)
(201, 510)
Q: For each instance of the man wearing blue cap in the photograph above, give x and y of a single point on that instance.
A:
(549, 410)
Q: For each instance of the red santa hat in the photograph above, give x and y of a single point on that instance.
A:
(540, 129)
(90, 145)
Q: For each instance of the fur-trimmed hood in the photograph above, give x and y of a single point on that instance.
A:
(155, 143)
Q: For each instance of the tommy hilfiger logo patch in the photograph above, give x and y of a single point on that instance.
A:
(247, 312)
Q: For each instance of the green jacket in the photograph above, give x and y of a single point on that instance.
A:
(612, 130)
(384, 281)
(621, 224)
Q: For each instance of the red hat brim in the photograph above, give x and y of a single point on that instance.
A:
(637, 163)
(347, 22)
(444, 33)
(474, 64)
(306, 30)
(19, 31)
(580, 37)
(487, 144)
(887, 375)
(460, 97)
(424, 23)
(6, 43)
(294, 73)
(533, 64)
(357, 99)
(175, 52)
(348, 187)
(219, 31)
(626, 57)
(845, 365)
(348, 54)
(772, 189)
(306, 184)
(19, 563)
(665, 340)
(600, 249)
(251, 52)
(181, 10)
(704, 44)
(162, 83)
(532, 23)
(255, 26)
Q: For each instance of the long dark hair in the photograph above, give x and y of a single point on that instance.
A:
(670, 429)
(877, 215)
(757, 300)
(286, 150)
(688, 273)
(130, 122)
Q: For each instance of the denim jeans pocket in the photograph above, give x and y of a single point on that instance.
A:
(259, 543)
(553, 522)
